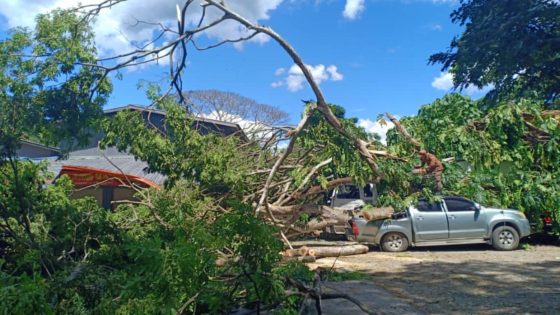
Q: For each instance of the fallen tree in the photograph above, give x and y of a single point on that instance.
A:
(214, 228)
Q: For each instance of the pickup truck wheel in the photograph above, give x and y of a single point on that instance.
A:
(505, 238)
(394, 242)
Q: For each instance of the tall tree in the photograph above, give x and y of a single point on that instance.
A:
(229, 106)
(50, 86)
(510, 44)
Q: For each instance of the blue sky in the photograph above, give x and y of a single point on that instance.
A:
(374, 57)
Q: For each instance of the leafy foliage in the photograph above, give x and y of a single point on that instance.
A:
(326, 142)
(46, 237)
(181, 151)
(504, 156)
(50, 87)
(75, 257)
(190, 247)
(511, 44)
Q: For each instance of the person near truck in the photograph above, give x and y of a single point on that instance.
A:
(430, 165)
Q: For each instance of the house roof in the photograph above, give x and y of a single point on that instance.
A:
(202, 124)
(84, 176)
(161, 112)
(110, 160)
(36, 151)
(38, 145)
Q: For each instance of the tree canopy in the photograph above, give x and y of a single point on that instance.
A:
(50, 88)
(511, 45)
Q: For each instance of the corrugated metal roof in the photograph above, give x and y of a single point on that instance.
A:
(93, 157)
(33, 150)
(37, 144)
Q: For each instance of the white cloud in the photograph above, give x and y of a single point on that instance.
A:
(353, 9)
(280, 71)
(117, 30)
(472, 90)
(444, 82)
(436, 27)
(295, 80)
(277, 84)
(335, 75)
(375, 127)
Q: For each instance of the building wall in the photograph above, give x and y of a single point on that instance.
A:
(106, 196)
(95, 192)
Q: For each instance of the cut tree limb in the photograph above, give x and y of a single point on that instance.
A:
(329, 216)
(327, 251)
(293, 209)
(303, 259)
(387, 155)
(377, 213)
(308, 178)
(283, 156)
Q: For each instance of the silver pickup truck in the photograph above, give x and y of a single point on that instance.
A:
(453, 220)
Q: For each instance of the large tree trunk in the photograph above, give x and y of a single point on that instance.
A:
(328, 216)
(303, 259)
(326, 251)
(377, 213)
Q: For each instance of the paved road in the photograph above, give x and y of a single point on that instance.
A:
(453, 280)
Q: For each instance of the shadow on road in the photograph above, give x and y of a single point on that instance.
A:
(476, 287)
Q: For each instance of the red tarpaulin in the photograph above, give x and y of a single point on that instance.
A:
(83, 176)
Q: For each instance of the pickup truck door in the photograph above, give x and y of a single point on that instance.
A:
(466, 220)
(429, 221)
(347, 197)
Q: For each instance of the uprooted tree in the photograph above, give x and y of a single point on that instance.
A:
(210, 239)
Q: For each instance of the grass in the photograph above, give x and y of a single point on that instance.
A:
(526, 246)
(337, 276)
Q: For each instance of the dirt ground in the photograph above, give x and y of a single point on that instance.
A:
(462, 279)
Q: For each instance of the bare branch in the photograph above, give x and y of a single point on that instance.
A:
(283, 156)
(227, 41)
(402, 130)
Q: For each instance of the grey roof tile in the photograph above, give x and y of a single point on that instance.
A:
(93, 157)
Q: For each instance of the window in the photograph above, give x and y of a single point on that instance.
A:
(348, 192)
(459, 204)
(368, 191)
(107, 197)
(424, 206)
